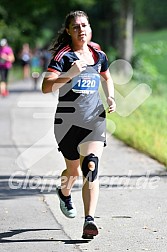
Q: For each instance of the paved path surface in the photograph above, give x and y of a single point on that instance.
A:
(132, 207)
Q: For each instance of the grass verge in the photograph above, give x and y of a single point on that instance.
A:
(145, 129)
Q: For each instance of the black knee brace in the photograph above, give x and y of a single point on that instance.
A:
(88, 174)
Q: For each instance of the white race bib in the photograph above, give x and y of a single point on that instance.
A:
(86, 82)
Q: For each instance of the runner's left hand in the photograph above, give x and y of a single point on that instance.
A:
(111, 104)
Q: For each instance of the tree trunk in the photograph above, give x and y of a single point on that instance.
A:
(125, 43)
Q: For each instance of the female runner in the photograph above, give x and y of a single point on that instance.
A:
(76, 70)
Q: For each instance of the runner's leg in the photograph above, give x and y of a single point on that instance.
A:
(69, 176)
(90, 190)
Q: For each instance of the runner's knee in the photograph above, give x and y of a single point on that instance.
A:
(90, 167)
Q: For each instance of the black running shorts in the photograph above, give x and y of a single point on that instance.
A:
(69, 140)
(4, 74)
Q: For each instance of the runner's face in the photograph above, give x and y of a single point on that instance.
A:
(79, 29)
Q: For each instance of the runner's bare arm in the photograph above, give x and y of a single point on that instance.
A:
(52, 81)
(108, 87)
(55, 80)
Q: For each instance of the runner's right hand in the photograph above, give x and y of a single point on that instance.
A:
(76, 68)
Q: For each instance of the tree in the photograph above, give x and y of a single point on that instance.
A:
(125, 40)
(111, 20)
(150, 14)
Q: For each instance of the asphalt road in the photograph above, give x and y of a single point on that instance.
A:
(132, 207)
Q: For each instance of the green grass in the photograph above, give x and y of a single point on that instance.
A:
(146, 128)
(149, 37)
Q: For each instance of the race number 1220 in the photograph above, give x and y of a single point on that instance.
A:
(83, 83)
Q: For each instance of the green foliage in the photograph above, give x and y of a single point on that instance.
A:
(87, 3)
(111, 53)
(35, 22)
(151, 14)
(150, 60)
(20, 21)
(24, 21)
(145, 128)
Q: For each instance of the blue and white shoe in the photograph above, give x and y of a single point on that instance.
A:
(67, 207)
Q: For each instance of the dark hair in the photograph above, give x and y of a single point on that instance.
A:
(63, 37)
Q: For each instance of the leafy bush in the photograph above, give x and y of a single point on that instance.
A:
(111, 54)
(148, 64)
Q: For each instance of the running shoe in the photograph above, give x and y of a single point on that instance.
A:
(89, 229)
(5, 93)
(67, 207)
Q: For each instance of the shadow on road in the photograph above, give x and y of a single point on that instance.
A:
(11, 233)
